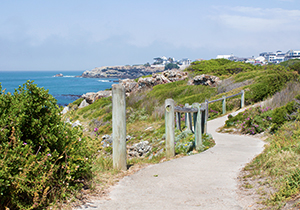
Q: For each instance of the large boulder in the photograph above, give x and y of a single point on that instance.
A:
(83, 103)
(129, 84)
(156, 79)
(139, 149)
(204, 79)
(91, 97)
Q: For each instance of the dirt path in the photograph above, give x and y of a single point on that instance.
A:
(204, 181)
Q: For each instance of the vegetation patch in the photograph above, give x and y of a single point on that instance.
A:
(42, 159)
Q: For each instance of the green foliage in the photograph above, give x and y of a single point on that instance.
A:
(185, 142)
(78, 101)
(279, 164)
(171, 66)
(271, 80)
(98, 104)
(283, 114)
(290, 63)
(41, 158)
(139, 115)
(181, 92)
(219, 67)
(251, 121)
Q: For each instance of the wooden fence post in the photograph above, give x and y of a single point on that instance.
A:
(119, 127)
(169, 123)
(224, 104)
(203, 118)
(198, 127)
(178, 120)
(188, 119)
(243, 99)
(206, 116)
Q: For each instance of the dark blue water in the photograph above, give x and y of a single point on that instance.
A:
(65, 89)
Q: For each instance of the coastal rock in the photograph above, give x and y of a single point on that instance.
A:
(84, 103)
(156, 79)
(204, 79)
(131, 72)
(139, 149)
(65, 110)
(58, 75)
(129, 84)
(132, 86)
(92, 97)
(107, 140)
(76, 123)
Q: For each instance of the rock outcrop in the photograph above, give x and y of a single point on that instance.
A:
(156, 79)
(139, 149)
(91, 96)
(204, 79)
(131, 72)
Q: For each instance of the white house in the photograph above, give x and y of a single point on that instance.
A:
(224, 56)
(292, 54)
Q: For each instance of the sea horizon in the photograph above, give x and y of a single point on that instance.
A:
(64, 89)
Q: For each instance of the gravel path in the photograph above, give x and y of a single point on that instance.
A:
(203, 181)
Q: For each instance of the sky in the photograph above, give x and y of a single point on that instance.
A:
(84, 34)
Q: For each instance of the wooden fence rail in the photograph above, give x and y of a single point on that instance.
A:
(196, 115)
(199, 119)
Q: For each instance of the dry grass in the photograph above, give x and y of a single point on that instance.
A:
(229, 84)
(283, 97)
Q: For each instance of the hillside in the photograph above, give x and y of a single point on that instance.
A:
(145, 112)
(92, 167)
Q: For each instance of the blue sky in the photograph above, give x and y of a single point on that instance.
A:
(81, 35)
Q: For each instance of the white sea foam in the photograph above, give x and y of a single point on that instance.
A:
(69, 76)
(101, 80)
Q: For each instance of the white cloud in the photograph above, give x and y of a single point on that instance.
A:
(259, 20)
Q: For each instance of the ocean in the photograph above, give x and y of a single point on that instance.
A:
(65, 89)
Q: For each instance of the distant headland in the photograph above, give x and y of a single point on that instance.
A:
(135, 71)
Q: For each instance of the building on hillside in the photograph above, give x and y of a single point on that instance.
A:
(224, 56)
(162, 61)
(260, 60)
(185, 62)
(232, 58)
(292, 54)
(279, 56)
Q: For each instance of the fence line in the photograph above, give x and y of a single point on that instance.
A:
(200, 118)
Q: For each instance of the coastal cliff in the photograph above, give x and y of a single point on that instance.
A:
(131, 72)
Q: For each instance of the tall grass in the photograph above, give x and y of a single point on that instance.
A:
(286, 95)
(279, 165)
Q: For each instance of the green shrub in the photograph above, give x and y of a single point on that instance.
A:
(283, 114)
(41, 158)
(268, 83)
(219, 67)
(251, 121)
(78, 101)
(279, 165)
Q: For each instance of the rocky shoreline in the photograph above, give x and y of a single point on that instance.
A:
(168, 76)
(122, 72)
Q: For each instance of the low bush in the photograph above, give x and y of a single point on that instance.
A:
(283, 114)
(185, 142)
(251, 121)
(278, 165)
(41, 158)
(268, 83)
(219, 67)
